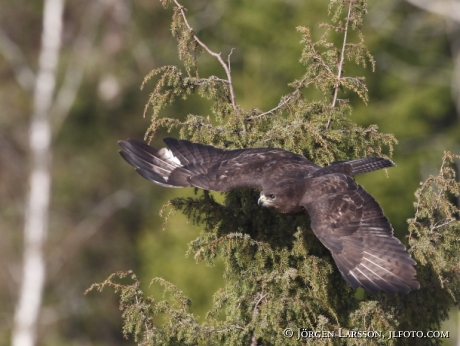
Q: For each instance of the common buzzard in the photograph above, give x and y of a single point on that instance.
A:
(345, 218)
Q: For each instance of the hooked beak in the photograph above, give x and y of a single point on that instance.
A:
(262, 200)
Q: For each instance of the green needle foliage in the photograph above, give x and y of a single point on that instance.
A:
(277, 273)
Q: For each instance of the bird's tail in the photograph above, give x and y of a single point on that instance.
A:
(355, 167)
(369, 164)
(159, 166)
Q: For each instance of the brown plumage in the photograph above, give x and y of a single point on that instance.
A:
(344, 217)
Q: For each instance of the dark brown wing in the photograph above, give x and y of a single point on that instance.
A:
(207, 167)
(351, 224)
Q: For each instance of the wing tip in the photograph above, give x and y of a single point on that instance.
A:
(122, 143)
(391, 288)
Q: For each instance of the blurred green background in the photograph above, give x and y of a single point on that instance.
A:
(105, 218)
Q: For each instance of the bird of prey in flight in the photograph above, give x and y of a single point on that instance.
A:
(345, 218)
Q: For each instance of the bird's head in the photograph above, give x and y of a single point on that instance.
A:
(267, 200)
(284, 197)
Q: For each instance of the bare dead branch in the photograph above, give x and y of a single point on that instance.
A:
(280, 105)
(438, 225)
(228, 59)
(14, 56)
(225, 66)
(84, 43)
(87, 228)
(254, 313)
(342, 59)
(286, 100)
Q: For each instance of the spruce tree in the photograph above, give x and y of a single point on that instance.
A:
(278, 277)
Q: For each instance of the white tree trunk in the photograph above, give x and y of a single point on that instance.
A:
(36, 214)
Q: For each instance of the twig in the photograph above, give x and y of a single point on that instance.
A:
(235, 326)
(254, 313)
(441, 174)
(256, 305)
(216, 55)
(436, 225)
(342, 59)
(87, 228)
(213, 78)
(228, 59)
(283, 103)
(280, 105)
(13, 54)
(75, 69)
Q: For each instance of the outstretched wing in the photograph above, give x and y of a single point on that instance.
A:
(204, 166)
(351, 224)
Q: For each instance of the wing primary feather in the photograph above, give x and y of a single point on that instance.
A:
(158, 166)
(351, 224)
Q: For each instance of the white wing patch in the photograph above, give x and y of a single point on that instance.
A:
(168, 156)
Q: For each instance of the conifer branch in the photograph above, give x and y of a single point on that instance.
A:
(218, 56)
(139, 304)
(342, 59)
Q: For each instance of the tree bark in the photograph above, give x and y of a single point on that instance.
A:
(36, 214)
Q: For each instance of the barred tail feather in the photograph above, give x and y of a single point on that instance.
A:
(369, 164)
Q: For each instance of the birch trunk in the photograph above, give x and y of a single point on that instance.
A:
(36, 215)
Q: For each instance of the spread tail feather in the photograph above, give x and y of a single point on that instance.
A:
(369, 164)
(355, 167)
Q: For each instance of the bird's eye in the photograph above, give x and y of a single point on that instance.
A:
(271, 196)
